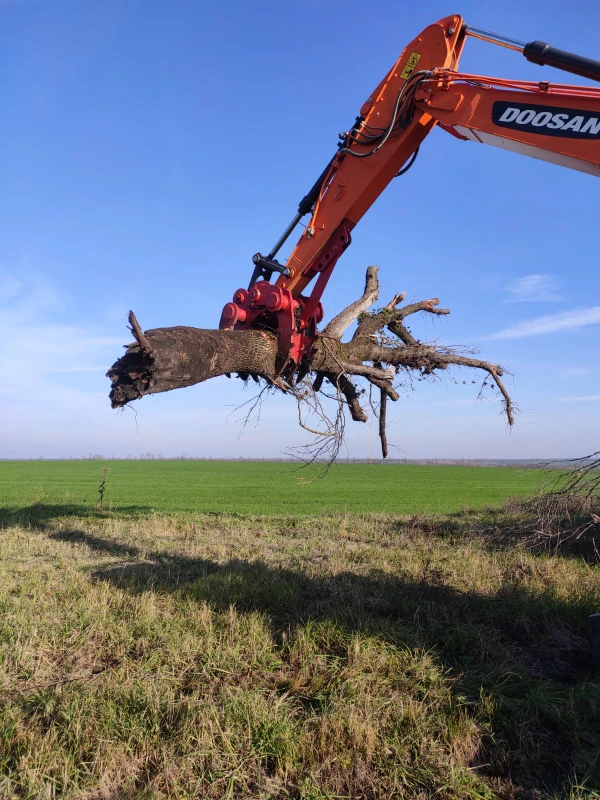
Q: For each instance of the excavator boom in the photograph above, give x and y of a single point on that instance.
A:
(552, 122)
(556, 123)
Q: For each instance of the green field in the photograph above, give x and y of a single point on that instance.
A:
(262, 488)
(231, 630)
(364, 657)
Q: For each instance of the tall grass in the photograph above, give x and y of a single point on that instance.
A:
(367, 656)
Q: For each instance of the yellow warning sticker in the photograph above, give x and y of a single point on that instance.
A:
(410, 65)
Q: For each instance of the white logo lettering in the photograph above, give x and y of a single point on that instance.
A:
(541, 119)
(573, 124)
(525, 117)
(547, 119)
(592, 126)
(558, 120)
(509, 115)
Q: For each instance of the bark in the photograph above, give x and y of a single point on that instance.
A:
(163, 359)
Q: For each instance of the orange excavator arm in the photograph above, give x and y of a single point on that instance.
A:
(552, 122)
(557, 123)
(369, 159)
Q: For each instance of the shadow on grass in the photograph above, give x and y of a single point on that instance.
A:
(38, 514)
(518, 524)
(96, 543)
(529, 652)
(540, 635)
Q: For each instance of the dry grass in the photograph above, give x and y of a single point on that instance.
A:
(325, 657)
(553, 522)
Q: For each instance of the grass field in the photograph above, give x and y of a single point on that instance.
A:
(223, 630)
(313, 657)
(258, 487)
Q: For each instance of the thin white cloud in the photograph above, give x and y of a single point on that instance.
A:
(34, 351)
(534, 289)
(581, 399)
(567, 320)
(577, 372)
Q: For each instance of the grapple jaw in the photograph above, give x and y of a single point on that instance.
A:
(267, 306)
(292, 316)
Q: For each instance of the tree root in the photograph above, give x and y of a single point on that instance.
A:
(164, 359)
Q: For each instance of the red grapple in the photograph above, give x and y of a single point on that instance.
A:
(271, 307)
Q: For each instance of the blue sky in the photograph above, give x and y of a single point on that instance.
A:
(150, 148)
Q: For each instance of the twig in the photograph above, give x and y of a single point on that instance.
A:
(137, 332)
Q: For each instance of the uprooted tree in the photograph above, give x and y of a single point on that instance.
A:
(381, 349)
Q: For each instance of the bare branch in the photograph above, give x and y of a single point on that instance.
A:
(428, 358)
(386, 387)
(424, 305)
(383, 414)
(576, 476)
(391, 318)
(348, 389)
(335, 329)
(163, 359)
(375, 373)
(382, 424)
(137, 332)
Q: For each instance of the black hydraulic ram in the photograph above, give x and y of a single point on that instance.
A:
(543, 54)
(264, 266)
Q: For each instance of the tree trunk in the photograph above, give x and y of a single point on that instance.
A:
(172, 358)
(163, 359)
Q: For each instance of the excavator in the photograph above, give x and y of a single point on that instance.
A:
(553, 122)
